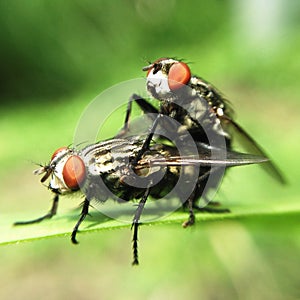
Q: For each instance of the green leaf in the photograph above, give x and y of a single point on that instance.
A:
(63, 223)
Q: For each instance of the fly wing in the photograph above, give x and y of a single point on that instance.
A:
(232, 159)
(250, 145)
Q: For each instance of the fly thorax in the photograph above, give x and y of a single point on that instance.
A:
(100, 164)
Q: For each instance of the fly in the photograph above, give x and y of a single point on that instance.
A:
(108, 170)
(196, 104)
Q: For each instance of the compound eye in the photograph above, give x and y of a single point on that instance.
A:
(74, 172)
(56, 152)
(179, 75)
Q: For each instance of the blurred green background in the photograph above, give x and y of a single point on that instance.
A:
(57, 56)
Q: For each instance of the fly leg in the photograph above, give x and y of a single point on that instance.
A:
(190, 202)
(84, 213)
(147, 108)
(192, 199)
(191, 205)
(147, 141)
(127, 117)
(135, 226)
(191, 220)
(143, 104)
(49, 215)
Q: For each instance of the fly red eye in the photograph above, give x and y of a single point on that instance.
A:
(74, 172)
(179, 75)
(57, 151)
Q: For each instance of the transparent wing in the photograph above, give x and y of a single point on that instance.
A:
(247, 142)
(204, 159)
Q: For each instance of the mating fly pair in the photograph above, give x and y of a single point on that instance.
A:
(127, 168)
